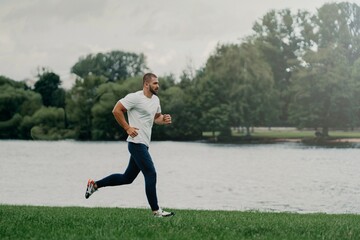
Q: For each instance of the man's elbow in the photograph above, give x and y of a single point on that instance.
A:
(114, 112)
(118, 110)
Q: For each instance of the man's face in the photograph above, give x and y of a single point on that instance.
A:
(154, 86)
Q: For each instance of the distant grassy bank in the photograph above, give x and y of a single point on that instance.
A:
(294, 133)
(29, 222)
(268, 135)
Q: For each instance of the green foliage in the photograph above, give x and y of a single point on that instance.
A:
(324, 90)
(283, 37)
(103, 122)
(7, 81)
(297, 69)
(339, 24)
(9, 128)
(48, 123)
(180, 103)
(104, 125)
(79, 102)
(121, 223)
(16, 102)
(48, 86)
(235, 89)
(114, 65)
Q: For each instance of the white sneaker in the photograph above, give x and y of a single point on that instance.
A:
(162, 213)
(90, 188)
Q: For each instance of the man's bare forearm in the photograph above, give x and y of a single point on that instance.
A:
(163, 119)
(119, 115)
(120, 118)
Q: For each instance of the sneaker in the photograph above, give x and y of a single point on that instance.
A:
(90, 188)
(162, 213)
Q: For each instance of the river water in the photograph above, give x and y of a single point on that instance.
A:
(267, 177)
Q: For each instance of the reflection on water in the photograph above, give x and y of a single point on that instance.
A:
(271, 177)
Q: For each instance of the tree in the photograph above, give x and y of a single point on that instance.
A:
(17, 101)
(179, 103)
(283, 37)
(48, 86)
(47, 124)
(210, 98)
(324, 91)
(339, 24)
(80, 101)
(237, 83)
(104, 125)
(114, 65)
(355, 103)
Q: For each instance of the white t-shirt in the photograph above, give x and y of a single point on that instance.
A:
(141, 111)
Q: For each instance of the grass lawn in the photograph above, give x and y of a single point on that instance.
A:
(289, 133)
(29, 222)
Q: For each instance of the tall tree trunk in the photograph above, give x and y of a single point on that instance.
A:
(248, 134)
(325, 131)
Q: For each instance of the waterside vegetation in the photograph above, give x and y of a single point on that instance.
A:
(296, 69)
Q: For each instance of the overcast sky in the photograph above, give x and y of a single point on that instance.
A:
(171, 34)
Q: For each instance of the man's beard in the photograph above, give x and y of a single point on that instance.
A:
(153, 91)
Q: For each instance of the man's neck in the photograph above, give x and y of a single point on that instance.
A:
(147, 93)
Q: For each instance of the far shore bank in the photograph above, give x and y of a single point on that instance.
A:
(339, 140)
(268, 140)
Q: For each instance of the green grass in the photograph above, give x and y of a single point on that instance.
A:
(290, 134)
(29, 222)
(283, 134)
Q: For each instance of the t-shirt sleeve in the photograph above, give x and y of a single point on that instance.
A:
(129, 101)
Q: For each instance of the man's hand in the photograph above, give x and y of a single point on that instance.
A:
(132, 131)
(166, 118)
(162, 119)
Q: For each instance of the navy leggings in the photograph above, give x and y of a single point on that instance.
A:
(140, 160)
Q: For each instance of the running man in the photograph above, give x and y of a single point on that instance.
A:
(143, 109)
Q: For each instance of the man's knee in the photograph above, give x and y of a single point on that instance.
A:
(150, 175)
(128, 180)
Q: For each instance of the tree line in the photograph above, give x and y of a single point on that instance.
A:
(297, 69)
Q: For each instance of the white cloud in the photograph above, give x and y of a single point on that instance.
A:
(166, 58)
(6, 44)
(209, 49)
(61, 10)
(148, 45)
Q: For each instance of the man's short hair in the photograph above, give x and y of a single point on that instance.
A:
(148, 76)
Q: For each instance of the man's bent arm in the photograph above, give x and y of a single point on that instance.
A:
(118, 112)
(162, 119)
